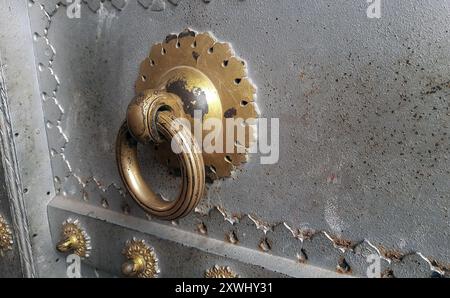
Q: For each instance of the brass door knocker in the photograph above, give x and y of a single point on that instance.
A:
(189, 76)
(144, 112)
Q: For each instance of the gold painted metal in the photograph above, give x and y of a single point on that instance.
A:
(220, 272)
(188, 76)
(141, 260)
(196, 63)
(74, 239)
(143, 107)
(6, 239)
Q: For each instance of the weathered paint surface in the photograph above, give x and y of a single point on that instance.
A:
(363, 106)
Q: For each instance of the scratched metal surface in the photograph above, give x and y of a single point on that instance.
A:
(363, 108)
(26, 162)
(9, 260)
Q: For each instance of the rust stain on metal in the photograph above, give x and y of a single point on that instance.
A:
(347, 244)
(390, 254)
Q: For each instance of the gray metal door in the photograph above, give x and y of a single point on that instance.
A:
(361, 183)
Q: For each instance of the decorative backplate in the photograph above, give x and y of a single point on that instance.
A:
(142, 258)
(75, 239)
(220, 272)
(6, 240)
(209, 78)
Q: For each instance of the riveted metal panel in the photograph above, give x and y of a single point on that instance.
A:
(363, 108)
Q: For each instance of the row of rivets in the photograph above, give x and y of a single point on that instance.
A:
(141, 260)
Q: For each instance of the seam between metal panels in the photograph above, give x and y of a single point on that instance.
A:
(140, 226)
(345, 250)
(13, 182)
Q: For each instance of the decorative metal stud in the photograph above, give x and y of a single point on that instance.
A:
(197, 63)
(74, 239)
(141, 260)
(220, 272)
(6, 239)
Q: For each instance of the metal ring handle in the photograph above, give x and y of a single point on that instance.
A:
(191, 159)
